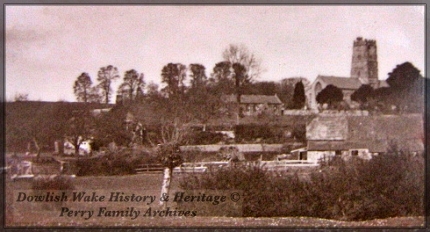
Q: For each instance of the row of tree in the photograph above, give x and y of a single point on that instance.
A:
(235, 74)
(102, 92)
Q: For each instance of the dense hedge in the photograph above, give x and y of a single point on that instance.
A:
(385, 186)
(121, 162)
(204, 137)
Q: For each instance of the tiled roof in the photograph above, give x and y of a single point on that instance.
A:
(255, 99)
(347, 82)
(373, 132)
(386, 127)
(341, 82)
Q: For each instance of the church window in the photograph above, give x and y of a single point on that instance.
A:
(318, 88)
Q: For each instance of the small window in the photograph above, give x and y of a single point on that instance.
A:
(338, 152)
(354, 152)
(303, 155)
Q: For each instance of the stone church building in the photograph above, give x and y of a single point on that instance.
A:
(364, 70)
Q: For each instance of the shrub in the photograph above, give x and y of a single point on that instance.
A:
(251, 132)
(122, 162)
(389, 185)
(247, 177)
(204, 137)
(386, 186)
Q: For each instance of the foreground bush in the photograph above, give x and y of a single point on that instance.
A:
(121, 162)
(387, 186)
(55, 183)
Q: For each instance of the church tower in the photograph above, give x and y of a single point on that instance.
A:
(364, 64)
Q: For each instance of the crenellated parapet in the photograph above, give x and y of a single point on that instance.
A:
(364, 64)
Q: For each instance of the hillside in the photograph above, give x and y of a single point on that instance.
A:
(45, 120)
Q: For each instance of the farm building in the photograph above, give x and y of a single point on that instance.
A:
(257, 104)
(363, 136)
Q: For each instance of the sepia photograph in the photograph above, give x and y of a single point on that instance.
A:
(214, 116)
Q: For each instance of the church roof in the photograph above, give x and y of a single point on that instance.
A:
(341, 82)
(346, 82)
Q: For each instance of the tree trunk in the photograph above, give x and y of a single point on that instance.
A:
(107, 95)
(36, 145)
(85, 95)
(131, 93)
(77, 144)
(167, 177)
(61, 147)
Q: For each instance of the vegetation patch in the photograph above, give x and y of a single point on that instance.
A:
(121, 162)
(390, 185)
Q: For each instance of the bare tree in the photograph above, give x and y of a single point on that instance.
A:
(170, 157)
(173, 117)
(106, 76)
(240, 54)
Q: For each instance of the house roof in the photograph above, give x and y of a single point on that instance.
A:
(386, 127)
(410, 145)
(347, 82)
(406, 131)
(255, 99)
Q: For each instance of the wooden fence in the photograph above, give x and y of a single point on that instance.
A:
(149, 168)
(241, 147)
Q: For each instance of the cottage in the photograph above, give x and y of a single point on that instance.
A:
(84, 148)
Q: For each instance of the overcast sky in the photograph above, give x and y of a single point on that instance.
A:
(48, 47)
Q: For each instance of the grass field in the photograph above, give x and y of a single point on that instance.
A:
(153, 181)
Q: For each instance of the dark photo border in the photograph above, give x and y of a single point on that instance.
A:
(215, 2)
